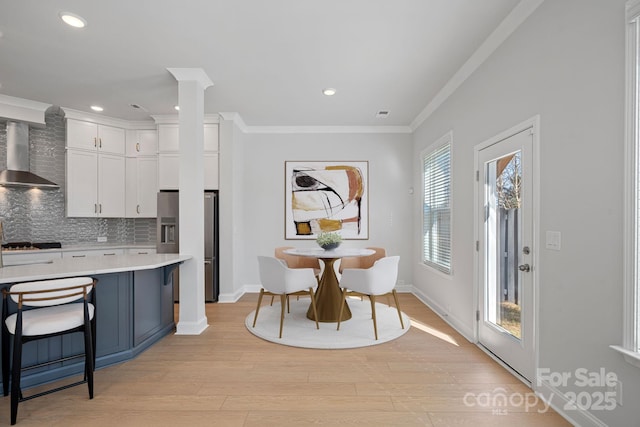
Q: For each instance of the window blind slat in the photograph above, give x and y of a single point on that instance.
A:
(436, 208)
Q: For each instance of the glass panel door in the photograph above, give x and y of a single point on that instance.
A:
(505, 259)
(502, 225)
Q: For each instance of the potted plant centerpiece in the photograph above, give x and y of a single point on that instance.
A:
(329, 240)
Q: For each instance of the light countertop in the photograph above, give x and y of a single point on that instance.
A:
(89, 266)
(82, 247)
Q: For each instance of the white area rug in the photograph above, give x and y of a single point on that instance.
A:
(298, 331)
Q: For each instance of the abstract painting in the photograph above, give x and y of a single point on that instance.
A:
(326, 196)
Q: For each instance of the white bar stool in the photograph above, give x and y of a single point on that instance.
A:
(47, 309)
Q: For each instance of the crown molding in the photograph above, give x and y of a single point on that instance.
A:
(237, 119)
(326, 129)
(23, 110)
(515, 18)
(192, 75)
(85, 116)
(174, 119)
(109, 121)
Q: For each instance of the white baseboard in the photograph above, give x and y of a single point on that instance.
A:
(404, 289)
(234, 297)
(453, 321)
(191, 328)
(557, 400)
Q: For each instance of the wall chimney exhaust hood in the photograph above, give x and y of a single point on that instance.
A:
(17, 173)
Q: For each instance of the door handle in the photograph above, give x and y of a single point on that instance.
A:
(524, 267)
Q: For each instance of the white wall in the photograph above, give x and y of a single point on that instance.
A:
(231, 230)
(565, 63)
(389, 200)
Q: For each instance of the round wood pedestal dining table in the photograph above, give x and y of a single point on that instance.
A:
(328, 294)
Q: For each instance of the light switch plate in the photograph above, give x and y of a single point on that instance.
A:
(553, 240)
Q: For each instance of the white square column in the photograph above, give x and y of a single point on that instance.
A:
(192, 83)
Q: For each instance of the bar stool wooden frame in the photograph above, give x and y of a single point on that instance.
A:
(58, 298)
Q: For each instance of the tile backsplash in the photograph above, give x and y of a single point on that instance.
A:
(39, 215)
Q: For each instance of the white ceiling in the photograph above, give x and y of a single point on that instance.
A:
(268, 60)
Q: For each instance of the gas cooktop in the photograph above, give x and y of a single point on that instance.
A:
(28, 246)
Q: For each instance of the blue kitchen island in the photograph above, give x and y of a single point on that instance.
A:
(134, 309)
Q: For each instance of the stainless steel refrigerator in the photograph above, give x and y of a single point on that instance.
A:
(168, 238)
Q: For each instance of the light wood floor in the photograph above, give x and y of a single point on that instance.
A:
(228, 377)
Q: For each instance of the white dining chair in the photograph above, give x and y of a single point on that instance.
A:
(279, 280)
(293, 261)
(378, 280)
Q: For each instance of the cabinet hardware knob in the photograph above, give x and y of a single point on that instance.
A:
(138, 146)
(100, 139)
(95, 141)
(78, 256)
(138, 209)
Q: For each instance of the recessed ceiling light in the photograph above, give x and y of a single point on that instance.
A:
(176, 107)
(73, 20)
(97, 108)
(329, 91)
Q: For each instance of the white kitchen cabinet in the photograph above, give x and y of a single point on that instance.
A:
(82, 183)
(93, 136)
(168, 138)
(210, 137)
(111, 183)
(141, 187)
(95, 184)
(95, 170)
(169, 170)
(32, 257)
(140, 251)
(93, 252)
(141, 142)
(210, 171)
(169, 159)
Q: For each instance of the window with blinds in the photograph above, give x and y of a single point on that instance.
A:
(436, 219)
(632, 219)
(630, 347)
